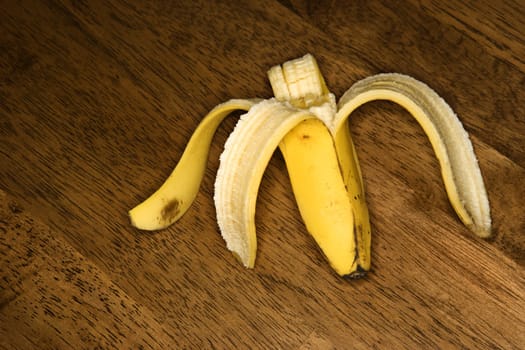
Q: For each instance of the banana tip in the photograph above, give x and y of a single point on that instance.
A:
(481, 231)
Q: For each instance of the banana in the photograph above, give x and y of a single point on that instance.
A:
(333, 208)
(175, 196)
(459, 167)
(311, 130)
(320, 192)
(246, 153)
(352, 177)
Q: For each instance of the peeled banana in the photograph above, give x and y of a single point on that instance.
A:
(311, 130)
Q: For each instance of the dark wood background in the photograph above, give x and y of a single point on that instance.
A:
(97, 101)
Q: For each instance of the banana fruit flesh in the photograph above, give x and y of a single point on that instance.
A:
(311, 130)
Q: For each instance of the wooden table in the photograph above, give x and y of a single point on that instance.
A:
(97, 101)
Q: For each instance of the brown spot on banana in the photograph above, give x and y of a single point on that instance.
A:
(170, 210)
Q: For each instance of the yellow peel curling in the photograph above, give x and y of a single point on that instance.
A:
(451, 144)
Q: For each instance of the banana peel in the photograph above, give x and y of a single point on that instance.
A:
(311, 130)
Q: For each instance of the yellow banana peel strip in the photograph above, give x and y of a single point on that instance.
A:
(459, 167)
(246, 154)
(166, 205)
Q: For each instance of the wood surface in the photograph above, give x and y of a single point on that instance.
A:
(97, 101)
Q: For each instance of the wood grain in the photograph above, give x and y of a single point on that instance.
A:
(53, 297)
(97, 101)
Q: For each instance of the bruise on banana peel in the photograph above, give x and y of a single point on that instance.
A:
(304, 121)
(171, 210)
